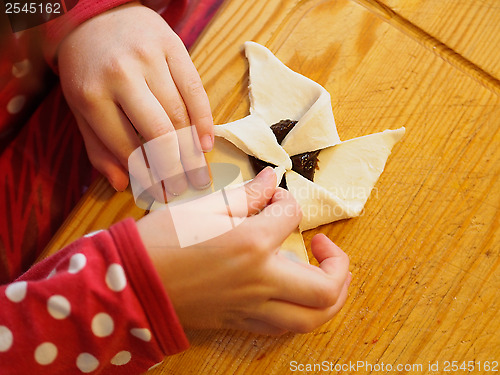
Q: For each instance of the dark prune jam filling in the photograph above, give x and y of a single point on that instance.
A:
(304, 164)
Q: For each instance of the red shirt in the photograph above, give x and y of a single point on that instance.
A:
(96, 306)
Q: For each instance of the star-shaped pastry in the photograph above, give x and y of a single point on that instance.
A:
(344, 173)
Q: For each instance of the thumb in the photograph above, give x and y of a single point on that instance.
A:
(257, 194)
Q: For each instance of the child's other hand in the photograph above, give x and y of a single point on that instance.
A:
(239, 279)
(125, 72)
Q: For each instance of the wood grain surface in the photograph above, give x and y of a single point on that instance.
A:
(425, 254)
(469, 28)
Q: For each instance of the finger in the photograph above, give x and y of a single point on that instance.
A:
(296, 318)
(232, 207)
(101, 158)
(143, 108)
(162, 147)
(306, 284)
(240, 201)
(309, 285)
(280, 194)
(192, 158)
(344, 294)
(165, 90)
(145, 188)
(252, 197)
(163, 157)
(274, 223)
(190, 87)
(114, 130)
(161, 84)
(331, 258)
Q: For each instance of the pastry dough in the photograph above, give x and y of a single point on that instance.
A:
(347, 171)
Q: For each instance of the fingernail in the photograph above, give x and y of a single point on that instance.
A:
(176, 185)
(200, 177)
(206, 143)
(112, 183)
(265, 173)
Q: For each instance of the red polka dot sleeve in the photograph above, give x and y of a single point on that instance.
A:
(97, 306)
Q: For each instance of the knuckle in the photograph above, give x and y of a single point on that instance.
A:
(253, 194)
(204, 122)
(123, 154)
(326, 295)
(173, 44)
(144, 52)
(253, 243)
(265, 241)
(90, 96)
(256, 244)
(194, 87)
(157, 127)
(117, 68)
(178, 115)
(173, 58)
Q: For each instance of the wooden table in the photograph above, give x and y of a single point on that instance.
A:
(425, 255)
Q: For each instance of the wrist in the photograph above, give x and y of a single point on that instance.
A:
(157, 232)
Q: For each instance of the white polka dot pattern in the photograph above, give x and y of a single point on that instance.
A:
(58, 307)
(141, 333)
(115, 278)
(16, 104)
(102, 325)
(121, 358)
(6, 339)
(21, 68)
(61, 304)
(86, 362)
(52, 273)
(77, 262)
(16, 292)
(45, 353)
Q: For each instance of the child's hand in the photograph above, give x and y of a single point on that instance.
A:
(126, 72)
(238, 279)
